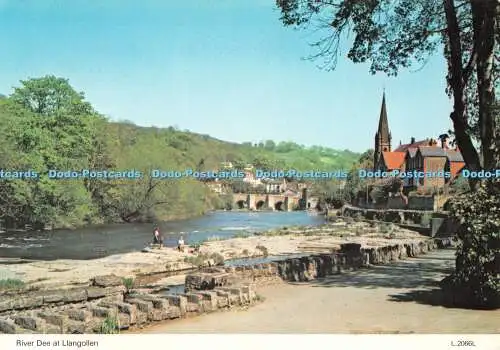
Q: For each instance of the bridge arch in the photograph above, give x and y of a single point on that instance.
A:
(260, 205)
(241, 204)
(279, 206)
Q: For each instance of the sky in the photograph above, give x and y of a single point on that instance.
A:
(227, 68)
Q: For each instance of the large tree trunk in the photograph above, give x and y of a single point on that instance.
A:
(457, 83)
(484, 14)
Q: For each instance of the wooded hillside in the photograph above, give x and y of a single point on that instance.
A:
(45, 124)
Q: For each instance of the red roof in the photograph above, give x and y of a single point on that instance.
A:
(404, 148)
(393, 160)
(455, 168)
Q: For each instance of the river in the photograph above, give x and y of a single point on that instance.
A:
(100, 241)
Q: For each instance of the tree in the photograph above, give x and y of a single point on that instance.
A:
(400, 33)
(50, 95)
(396, 34)
(269, 145)
(356, 185)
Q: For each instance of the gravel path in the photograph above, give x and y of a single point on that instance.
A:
(397, 298)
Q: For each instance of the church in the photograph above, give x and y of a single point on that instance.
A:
(424, 155)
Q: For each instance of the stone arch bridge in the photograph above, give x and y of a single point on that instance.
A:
(280, 202)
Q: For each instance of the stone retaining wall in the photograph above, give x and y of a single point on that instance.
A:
(351, 257)
(85, 309)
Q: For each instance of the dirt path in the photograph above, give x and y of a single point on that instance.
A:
(396, 298)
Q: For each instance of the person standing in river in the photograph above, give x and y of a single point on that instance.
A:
(156, 236)
(180, 244)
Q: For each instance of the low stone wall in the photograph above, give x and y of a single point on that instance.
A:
(422, 203)
(415, 202)
(351, 257)
(390, 215)
(85, 309)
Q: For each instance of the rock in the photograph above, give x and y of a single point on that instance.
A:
(100, 292)
(124, 308)
(141, 305)
(350, 248)
(107, 281)
(22, 301)
(31, 323)
(179, 301)
(7, 326)
(79, 315)
(209, 300)
(54, 319)
(75, 327)
(103, 312)
(206, 281)
(74, 295)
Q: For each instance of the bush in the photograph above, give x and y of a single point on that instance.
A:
(201, 259)
(379, 195)
(242, 235)
(11, 283)
(475, 281)
(128, 283)
(460, 185)
(263, 250)
(110, 326)
(217, 258)
(426, 220)
(386, 228)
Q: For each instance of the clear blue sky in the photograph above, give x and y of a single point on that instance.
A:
(227, 68)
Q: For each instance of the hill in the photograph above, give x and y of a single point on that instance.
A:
(45, 124)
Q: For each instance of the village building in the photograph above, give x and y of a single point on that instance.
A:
(427, 155)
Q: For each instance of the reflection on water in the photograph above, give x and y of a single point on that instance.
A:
(100, 241)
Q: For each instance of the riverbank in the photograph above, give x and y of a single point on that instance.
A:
(106, 304)
(397, 298)
(107, 240)
(285, 241)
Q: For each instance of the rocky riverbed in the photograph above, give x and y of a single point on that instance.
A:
(285, 241)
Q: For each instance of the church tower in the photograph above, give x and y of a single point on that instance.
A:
(383, 136)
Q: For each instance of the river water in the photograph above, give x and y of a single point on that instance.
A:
(100, 241)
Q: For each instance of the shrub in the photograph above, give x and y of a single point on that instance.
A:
(242, 235)
(128, 283)
(379, 195)
(110, 325)
(386, 228)
(11, 283)
(263, 250)
(217, 258)
(426, 220)
(358, 217)
(475, 281)
(195, 260)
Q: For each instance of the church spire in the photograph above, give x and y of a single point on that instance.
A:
(383, 124)
(383, 136)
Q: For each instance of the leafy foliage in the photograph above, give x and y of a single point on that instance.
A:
(45, 124)
(110, 325)
(477, 277)
(392, 35)
(11, 284)
(356, 186)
